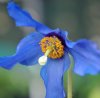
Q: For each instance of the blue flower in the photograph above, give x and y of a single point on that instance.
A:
(85, 54)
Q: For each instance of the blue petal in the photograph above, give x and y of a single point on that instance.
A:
(30, 40)
(52, 74)
(23, 18)
(64, 34)
(86, 57)
(7, 62)
(30, 48)
(28, 52)
(60, 32)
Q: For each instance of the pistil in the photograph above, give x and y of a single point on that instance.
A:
(43, 59)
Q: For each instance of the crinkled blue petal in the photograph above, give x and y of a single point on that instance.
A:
(52, 74)
(70, 43)
(28, 52)
(86, 57)
(23, 18)
(64, 34)
(60, 32)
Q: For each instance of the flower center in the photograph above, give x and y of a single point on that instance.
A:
(53, 44)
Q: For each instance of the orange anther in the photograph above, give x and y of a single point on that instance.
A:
(54, 44)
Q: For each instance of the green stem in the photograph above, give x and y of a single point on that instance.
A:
(69, 92)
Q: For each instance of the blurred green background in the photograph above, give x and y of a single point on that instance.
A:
(81, 18)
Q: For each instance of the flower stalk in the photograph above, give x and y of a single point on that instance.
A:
(69, 92)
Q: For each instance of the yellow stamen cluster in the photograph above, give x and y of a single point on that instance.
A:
(53, 44)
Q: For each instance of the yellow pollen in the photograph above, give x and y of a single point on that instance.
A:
(54, 44)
